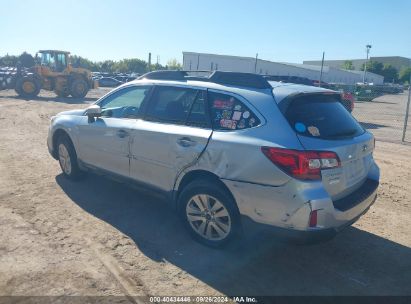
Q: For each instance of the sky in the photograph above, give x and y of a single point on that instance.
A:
(285, 31)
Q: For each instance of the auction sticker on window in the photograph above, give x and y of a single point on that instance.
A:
(237, 115)
(314, 131)
(223, 104)
(226, 114)
(228, 123)
(241, 124)
(300, 127)
(251, 122)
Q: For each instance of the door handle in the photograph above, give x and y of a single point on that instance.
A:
(185, 142)
(122, 133)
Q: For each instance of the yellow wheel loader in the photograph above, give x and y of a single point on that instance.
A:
(52, 72)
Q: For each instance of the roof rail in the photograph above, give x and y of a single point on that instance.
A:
(165, 75)
(249, 80)
(240, 79)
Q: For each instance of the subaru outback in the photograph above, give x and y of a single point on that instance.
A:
(232, 152)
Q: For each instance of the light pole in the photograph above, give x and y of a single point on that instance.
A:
(255, 65)
(368, 47)
(321, 72)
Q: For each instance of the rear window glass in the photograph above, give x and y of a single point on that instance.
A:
(322, 117)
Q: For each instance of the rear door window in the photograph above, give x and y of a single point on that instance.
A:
(197, 114)
(321, 116)
(229, 113)
(178, 105)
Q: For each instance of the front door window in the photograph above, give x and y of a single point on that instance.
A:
(125, 103)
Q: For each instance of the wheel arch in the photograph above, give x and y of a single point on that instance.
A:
(200, 174)
(56, 135)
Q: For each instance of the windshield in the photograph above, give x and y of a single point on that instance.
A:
(46, 59)
(322, 116)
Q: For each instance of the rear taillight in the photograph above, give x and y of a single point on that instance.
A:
(304, 165)
(313, 218)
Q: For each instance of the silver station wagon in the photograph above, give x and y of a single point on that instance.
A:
(232, 152)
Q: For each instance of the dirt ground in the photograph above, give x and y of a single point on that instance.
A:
(99, 237)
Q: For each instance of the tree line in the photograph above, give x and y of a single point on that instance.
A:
(390, 73)
(131, 65)
(135, 65)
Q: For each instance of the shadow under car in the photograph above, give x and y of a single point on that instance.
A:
(355, 262)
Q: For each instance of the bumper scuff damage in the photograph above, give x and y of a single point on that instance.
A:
(275, 210)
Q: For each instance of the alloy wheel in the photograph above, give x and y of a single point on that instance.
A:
(208, 217)
(64, 159)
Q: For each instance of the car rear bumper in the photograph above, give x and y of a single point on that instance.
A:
(310, 235)
(349, 209)
(286, 210)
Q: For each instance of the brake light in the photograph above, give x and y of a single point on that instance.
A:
(304, 165)
(313, 218)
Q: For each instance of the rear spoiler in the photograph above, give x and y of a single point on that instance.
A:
(285, 103)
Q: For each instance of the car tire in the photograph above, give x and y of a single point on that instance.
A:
(27, 87)
(79, 88)
(209, 213)
(67, 157)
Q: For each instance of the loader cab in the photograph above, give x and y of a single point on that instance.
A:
(56, 61)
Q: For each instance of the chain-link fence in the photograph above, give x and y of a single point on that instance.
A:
(382, 110)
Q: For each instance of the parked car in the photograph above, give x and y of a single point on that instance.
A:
(390, 88)
(347, 96)
(122, 79)
(97, 77)
(323, 84)
(367, 92)
(109, 82)
(131, 78)
(348, 100)
(230, 152)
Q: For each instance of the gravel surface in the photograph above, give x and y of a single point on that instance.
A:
(99, 237)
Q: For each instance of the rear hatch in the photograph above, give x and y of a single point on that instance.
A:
(323, 124)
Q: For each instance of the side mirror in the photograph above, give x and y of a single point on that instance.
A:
(92, 112)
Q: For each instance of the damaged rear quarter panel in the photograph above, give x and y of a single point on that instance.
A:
(237, 155)
(286, 206)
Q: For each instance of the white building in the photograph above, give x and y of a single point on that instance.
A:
(201, 61)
